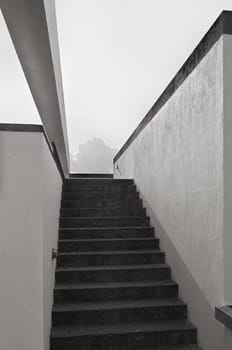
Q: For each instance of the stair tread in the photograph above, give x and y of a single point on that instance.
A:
(99, 179)
(96, 208)
(113, 252)
(110, 285)
(106, 228)
(130, 292)
(116, 304)
(170, 347)
(107, 239)
(122, 328)
(112, 267)
(106, 217)
(101, 190)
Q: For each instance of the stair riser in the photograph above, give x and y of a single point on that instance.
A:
(100, 188)
(111, 259)
(83, 246)
(91, 175)
(100, 195)
(106, 294)
(100, 212)
(98, 182)
(102, 203)
(104, 222)
(106, 233)
(92, 317)
(113, 275)
(130, 340)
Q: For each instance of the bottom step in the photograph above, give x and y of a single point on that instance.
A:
(185, 347)
(132, 336)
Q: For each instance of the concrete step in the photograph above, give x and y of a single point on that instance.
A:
(101, 195)
(118, 311)
(102, 212)
(102, 258)
(132, 335)
(91, 176)
(78, 292)
(112, 273)
(82, 245)
(113, 290)
(107, 187)
(111, 203)
(106, 232)
(120, 221)
(95, 181)
(170, 347)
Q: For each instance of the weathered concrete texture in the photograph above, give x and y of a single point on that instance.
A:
(227, 59)
(30, 192)
(223, 25)
(177, 164)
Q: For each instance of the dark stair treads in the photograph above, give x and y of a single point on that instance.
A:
(133, 335)
(120, 221)
(98, 182)
(91, 175)
(100, 187)
(106, 232)
(78, 245)
(102, 212)
(110, 203)
(180, 347)
(114, 291)
(169, 347)
(119, 311)
(101, 195)
(113, 273)
(101, 258)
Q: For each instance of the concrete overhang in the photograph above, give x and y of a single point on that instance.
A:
(33, 29)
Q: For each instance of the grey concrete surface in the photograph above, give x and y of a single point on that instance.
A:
(32, 26)
(181, 163)
(30, 192)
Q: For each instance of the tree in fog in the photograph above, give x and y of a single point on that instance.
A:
(94, 156)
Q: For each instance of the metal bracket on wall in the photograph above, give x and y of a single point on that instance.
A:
(54, 253)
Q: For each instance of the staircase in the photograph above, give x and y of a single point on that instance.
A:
(113, 289)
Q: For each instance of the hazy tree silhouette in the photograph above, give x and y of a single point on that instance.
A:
(94, 156)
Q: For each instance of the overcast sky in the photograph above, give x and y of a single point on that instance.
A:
(117, 57)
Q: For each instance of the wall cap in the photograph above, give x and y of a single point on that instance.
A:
(223, 25)
(11, 127)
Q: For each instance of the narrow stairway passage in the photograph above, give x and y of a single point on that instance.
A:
(113, 288)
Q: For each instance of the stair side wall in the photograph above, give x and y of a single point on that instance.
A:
(30, 191)
(177, 162)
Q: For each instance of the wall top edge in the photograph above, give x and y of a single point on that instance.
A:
(223, 25)
(35, 128)
(21, 127)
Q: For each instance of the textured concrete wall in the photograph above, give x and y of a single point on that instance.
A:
(177, 164)
(30, 190)
(227, 60)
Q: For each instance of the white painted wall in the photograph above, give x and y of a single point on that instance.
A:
(182, 165)
(30, 190)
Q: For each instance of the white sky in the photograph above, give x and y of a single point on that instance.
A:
(117, 57)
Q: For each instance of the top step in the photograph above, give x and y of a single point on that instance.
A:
(90, 176)
(98, 181)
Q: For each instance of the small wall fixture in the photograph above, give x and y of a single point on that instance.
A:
(224, 315)
(54, 253)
